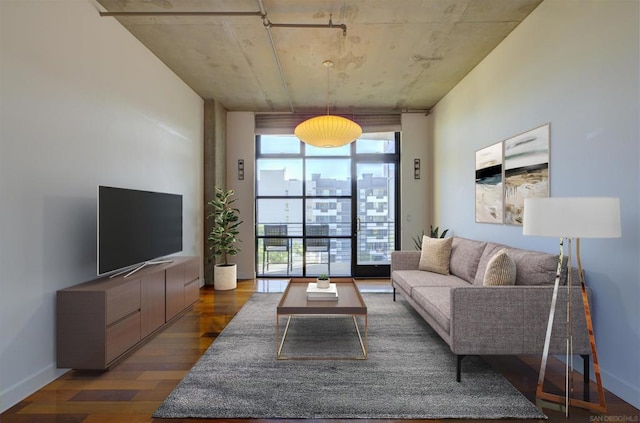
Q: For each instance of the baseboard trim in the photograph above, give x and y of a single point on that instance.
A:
(21, 390)
(611, 382)
(621, 388)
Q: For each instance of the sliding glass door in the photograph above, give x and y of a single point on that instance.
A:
(326, 210)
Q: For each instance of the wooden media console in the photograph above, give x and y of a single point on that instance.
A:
(100, 322)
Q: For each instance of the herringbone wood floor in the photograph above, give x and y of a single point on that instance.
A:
(132, 390)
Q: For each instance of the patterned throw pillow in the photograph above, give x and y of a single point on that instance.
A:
(435, 255)
(501, 270)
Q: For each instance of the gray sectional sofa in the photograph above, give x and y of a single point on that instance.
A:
(474, 319)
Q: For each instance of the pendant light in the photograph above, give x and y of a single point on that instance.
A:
(328, 131)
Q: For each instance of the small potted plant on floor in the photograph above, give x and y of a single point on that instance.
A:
(323, 281)
(223, 238)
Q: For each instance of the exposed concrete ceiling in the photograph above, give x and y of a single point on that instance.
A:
(396, 55)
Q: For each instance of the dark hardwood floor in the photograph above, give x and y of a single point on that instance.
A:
(132, 390)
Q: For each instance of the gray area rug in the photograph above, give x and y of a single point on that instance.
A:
(409, 374)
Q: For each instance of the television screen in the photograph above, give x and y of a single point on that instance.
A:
(136, 226)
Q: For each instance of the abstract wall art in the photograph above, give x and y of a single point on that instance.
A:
(526, 171)
(489, 191)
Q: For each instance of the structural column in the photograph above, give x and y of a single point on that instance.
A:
(214, 153)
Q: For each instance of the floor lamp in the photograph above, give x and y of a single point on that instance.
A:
(570, 219)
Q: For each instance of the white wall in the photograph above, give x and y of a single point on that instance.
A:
(241, 144)
(573, 63)
(82, 103)
(415, 206)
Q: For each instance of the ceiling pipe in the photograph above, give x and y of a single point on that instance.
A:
(263, 13)
(268, 25)
(330, 25)
(181, 14)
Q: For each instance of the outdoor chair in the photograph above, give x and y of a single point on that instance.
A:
(319, 245)
(273, 244)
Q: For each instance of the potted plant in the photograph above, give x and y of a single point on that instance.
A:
(434, 233)
(323, 281)
(223, 238)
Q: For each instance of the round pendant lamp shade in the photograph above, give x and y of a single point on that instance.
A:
(328, 131)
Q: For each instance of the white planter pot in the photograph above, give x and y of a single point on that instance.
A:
(225, 277)
(323, 283)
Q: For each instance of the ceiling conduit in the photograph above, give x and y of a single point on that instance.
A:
(267, 26)
(262, 13)
(116, 14)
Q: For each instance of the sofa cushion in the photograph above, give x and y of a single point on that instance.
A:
(435, 255)
(490, 250)
(409, 279)
(465, 256)
(436, 301)
(532, 267)
(501, 270)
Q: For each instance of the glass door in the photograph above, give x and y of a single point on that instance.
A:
(374, 204)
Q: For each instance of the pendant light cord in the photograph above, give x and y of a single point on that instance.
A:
(328, 64)
(328, 96)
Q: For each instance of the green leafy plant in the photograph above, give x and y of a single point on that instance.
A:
(417, 241)
(323, 277)
(224, 234)
(433, 233)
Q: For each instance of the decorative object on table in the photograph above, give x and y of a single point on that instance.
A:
(323, 281)
(489, 188)
(526, 171)
(571, 219)
(326, 291)
(223, 238)
(328, 130)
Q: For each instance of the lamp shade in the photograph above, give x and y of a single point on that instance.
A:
(572, 217)
(328, 131)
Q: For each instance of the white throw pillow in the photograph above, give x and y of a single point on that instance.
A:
(501, 270)
(435, 255)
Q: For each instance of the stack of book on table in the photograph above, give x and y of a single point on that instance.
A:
(322, 294)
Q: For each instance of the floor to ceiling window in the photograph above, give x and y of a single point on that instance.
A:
(322, 210)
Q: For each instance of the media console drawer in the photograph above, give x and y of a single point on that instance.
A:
(123, 300)
(191, 292)
(191, 271)
(122, 335)
(99, 322)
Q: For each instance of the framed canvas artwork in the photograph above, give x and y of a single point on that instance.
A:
(489, 197)
(526, 171)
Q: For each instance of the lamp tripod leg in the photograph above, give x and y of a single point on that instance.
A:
(602, 405)
(547, 339)
(567, 399)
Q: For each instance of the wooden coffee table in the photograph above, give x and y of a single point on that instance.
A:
(294, 302)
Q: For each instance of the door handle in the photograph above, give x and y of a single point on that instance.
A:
(357, 225)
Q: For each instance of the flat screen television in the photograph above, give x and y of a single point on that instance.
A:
(135, 227)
